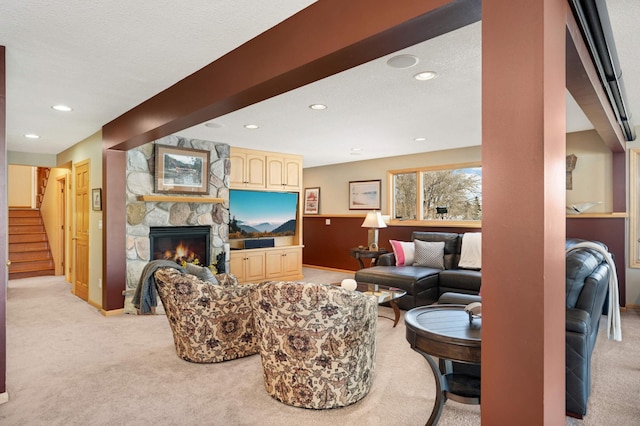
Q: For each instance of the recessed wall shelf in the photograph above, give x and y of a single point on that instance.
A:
(177, 199)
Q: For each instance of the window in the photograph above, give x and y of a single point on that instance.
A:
(451, 193)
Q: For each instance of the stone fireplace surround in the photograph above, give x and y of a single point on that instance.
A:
(143, 215)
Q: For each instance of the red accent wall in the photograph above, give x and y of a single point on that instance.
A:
(328, 245)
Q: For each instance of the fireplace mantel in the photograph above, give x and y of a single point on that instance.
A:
(178, 199)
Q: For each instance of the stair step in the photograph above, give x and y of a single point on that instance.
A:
(26, 229)
(33, 265)
(29, 255)
(27, 238)
(25, 220)
(29, 274)
(24, 213)
(29, 246)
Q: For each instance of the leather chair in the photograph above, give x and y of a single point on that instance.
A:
(210, 322)
(317, 342)
(587, 285)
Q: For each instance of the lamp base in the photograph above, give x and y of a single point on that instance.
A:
(372, 235)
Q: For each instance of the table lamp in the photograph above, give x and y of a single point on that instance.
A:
(373, 221)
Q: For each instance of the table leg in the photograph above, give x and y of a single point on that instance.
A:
(396, 311)
(360, 262)
(438, 405)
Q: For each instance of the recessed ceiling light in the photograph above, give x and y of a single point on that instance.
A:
(251, 126)
(213, 125)
(420, 139)
(31, 136)
(425, 75)
(317, 106)
(62, 108)
(356, 149)
(402, 61)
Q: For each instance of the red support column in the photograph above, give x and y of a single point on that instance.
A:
(523, 159)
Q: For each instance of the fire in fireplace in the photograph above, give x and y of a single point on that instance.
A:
(181, 243)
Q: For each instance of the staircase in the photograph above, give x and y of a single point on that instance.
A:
(28, 245)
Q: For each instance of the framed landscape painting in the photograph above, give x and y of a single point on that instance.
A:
(181, 170)
(364, 195)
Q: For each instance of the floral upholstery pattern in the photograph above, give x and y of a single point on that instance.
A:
(317, 342)
(210, 322)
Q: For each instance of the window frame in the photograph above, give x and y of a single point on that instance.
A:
(634, 208)
(419, 198)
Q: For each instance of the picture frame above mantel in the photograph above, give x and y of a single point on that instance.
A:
(181, 170)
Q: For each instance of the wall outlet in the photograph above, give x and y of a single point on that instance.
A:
(327, 221)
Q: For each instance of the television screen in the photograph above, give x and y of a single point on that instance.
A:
(255, 214)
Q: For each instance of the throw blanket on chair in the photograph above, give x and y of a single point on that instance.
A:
(146, 295)
(613, 318)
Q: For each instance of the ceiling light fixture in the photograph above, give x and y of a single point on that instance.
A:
(420, 139)
(402, 61)
(62, 108)
(425, 75)
(31, 136)
(251, 126)
(318, 107)
(356, 149)
(213, 125)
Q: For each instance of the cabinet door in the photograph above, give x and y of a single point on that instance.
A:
(292, 261)
(274, 262)
(275, 173)
(293, 173)
(254, 266)
(255, 171)
(238, 164)
(236, 265)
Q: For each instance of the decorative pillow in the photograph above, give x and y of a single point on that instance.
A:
(201, 272)
(471, 251)
(429, 254)
(404, 252)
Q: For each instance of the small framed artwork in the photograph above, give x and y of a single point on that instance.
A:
(96, 199)
(312, 201)
(181, 170)
(364, 195)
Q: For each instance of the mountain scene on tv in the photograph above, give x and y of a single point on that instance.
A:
(256, 214)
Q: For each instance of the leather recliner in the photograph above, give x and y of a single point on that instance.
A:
(587, 285)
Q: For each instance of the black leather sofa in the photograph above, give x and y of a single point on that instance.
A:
(424, 284)
(587, 286)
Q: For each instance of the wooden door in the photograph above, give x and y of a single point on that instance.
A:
(61, 263)
(81, 238)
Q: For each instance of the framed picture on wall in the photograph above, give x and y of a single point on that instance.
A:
(96, 199)
(312, 201)
(181, 170)
(364, 195)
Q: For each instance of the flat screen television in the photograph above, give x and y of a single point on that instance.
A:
(261, 214)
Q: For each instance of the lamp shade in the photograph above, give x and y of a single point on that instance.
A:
(373, 220)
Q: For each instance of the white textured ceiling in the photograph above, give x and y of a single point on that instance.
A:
(103, 58)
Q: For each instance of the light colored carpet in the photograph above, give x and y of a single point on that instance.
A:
(69, 365)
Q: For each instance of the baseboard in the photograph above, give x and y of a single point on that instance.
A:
(632, 307)
(4, 397)
(112, 312)
(94, 304)
(325, 268)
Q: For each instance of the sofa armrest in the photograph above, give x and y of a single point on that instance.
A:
(578, 321)
(387, 259)
(451, 298)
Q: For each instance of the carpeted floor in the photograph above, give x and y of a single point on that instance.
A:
(69, 365)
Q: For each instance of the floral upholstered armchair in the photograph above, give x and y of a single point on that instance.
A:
(210, 322)
(317, 342)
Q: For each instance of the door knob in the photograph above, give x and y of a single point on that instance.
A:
(8, 263)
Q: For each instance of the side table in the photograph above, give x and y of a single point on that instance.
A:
(445, 332)
(364, 253)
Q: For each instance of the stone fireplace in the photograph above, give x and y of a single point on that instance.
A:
(143, 216)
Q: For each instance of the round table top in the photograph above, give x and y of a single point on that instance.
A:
(447, 323)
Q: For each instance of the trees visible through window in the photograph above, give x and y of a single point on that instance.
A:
(453, 193)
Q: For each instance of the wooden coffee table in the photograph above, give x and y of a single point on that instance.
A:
(444, 331)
